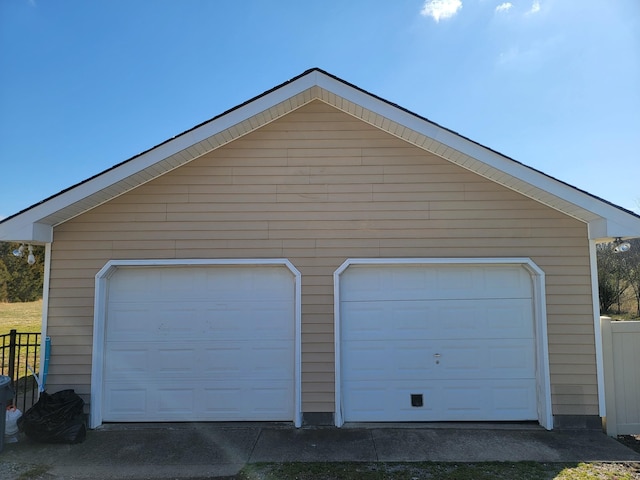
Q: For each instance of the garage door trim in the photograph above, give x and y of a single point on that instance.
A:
(543, 384)
(99, 321)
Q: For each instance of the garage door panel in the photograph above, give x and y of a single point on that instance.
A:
(438, 359)
(274, 362)
(126, 361)
(220, 321)
(445, 400)
(404, 282)
(175, 400)
(369, 320)
(263, 399)
(444, 319)
(272, 359)
(513, 360)
(367, 401)
(370, 360)
(503, 358)
(183, 344)
(126, 321)
(366, 359)
(463, 282)
(150, 360)
(271, 401)
(510, 318)
(268, 322)
(127, 401)
(516, 399)
(160, 361)
(176, 361)
(220, 283)
(484, 318)
(230, 284)
(501, 400)
(129, 321)
(233, 401)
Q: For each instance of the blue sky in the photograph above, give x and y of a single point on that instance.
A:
(554, 84)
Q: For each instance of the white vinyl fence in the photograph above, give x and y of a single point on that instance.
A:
(621, 352)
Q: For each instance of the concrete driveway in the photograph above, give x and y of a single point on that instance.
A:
(208, 449)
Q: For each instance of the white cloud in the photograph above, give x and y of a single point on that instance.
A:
(503, 7)
(535, 8)
(438, 9)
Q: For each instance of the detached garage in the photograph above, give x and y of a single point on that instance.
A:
(441, 340)
(319, 254)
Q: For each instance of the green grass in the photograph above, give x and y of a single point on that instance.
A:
(23, 317)
(35, 472)
(440, 471)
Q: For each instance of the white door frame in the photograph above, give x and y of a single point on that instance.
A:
(543, 382)
(99, 321)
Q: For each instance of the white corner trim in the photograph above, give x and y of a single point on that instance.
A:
(45, 307)
(99, 317)
(543, 381)
(338, 418)
(597, 329)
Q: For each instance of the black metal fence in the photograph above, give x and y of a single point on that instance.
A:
(20, 352)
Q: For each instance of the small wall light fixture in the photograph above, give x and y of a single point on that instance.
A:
(620, 246)
(19, 252)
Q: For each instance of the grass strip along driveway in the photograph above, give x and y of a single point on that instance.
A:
(440, 471)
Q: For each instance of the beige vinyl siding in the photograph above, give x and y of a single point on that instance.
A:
(317, 187)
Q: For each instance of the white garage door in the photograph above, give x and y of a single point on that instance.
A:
(199, 344)
(437, 343)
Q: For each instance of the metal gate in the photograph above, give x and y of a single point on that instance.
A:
(20, 352)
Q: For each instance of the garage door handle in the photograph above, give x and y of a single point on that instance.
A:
(437, 355)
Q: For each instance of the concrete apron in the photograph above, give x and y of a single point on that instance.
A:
(210, 449)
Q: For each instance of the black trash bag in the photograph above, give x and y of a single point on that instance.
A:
(56, 418)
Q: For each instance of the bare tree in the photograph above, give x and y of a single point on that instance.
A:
(611, 278)
(631, 269)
